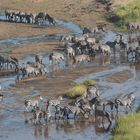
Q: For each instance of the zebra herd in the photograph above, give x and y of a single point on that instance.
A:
(24, 17)
(85, 44)
(31, 69)
(7, 62)
(88, 44)
(84, 106)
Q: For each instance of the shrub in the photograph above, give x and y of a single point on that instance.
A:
(124, 14)
(89, 83)
(76, 91)
(79, 88)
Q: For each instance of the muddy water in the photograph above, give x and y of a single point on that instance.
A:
(14, 124)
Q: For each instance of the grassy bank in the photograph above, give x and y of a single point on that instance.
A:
(121, 15)
(127, 128)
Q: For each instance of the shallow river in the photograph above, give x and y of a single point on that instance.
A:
(14, 123)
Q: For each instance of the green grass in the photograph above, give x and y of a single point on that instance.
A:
(89, 83)
(76, 91)
(79, 88)
(125, 14)
(127, 128)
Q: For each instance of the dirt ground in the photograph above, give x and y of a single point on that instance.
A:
(60, 82)
(34, 48)
(12, 30)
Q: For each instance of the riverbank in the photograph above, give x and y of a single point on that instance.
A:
(12, 30)
(127, 128)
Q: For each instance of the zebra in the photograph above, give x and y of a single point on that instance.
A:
(126, 101)
(47, 112)
(101, 102)
(33, 102)
(56, 101)
(58, 111)
(75, 110)
(93, 91)
(102, 113)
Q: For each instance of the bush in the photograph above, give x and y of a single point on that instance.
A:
(124, 14)
(79, 88)
(89, 83)
(76, 91)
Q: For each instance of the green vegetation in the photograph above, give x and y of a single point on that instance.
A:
(76, 91)
(80, 88)
(124, 14)
(89, 83)
(128, 127)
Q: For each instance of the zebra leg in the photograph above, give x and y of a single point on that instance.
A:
(117, 107)
(67, 116)
(55, 115)
(75, 114)
(103, 107)
(108, 117)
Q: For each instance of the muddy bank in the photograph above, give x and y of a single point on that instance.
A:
(62, 79)
(12, 30)
(35, 48)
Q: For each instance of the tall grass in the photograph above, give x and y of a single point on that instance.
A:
(76, 91)
(124, 14)
(80, 88)
(128, 128)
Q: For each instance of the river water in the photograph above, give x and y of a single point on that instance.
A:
(14, 123)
